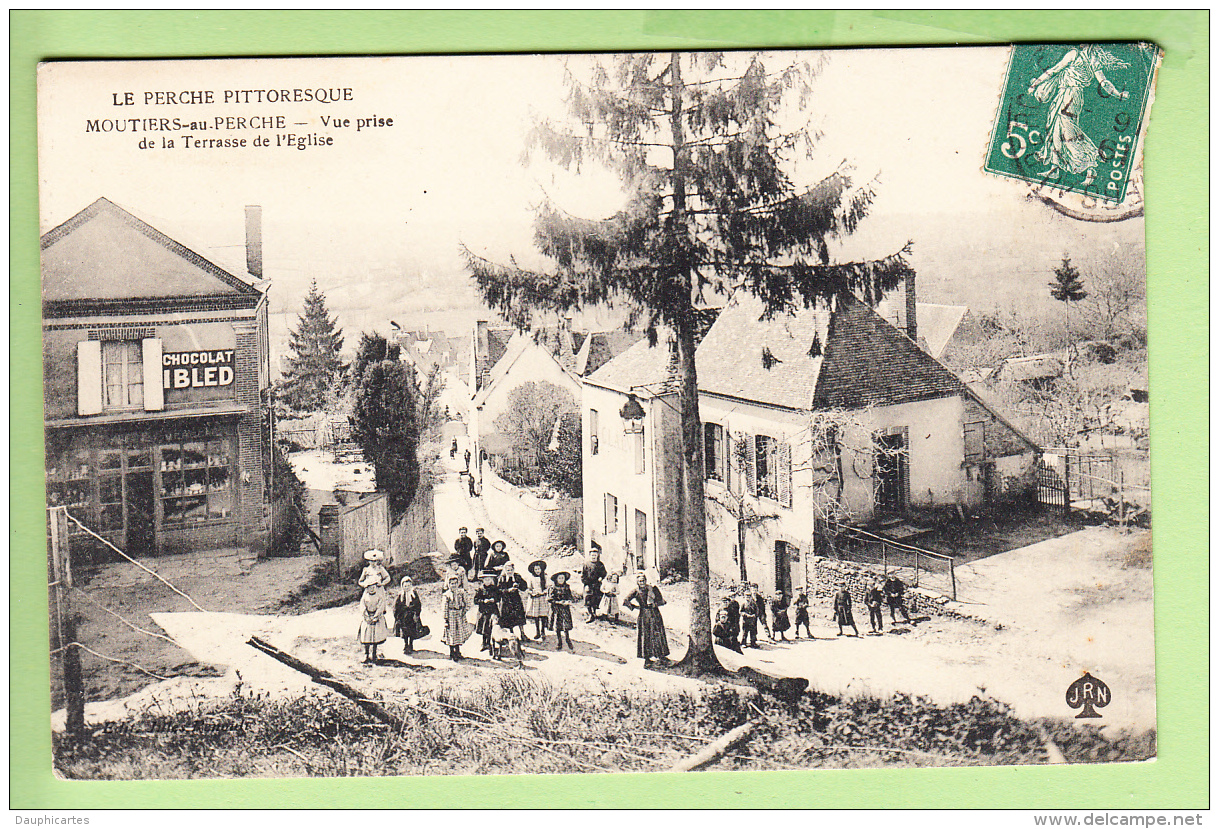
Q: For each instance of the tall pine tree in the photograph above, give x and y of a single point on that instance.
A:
(1067, 288)
(711, 208)
(314, 368)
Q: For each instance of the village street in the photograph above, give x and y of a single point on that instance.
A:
(1048, 609)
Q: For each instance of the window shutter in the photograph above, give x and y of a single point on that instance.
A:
(750, 454)
(639, 453)
(154, 388)
(88, 377)
(783, 472)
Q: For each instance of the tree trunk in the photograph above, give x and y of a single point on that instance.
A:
(700, 656)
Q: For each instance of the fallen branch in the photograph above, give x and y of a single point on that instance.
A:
(321, 677)
(717, 749)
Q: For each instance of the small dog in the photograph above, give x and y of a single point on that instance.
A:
(506, 643)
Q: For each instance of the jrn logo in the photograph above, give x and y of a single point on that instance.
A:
(1088, 693)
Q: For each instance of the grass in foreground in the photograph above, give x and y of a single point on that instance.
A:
(522, 725)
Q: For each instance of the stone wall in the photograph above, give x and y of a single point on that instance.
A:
(536, 524)
(829, 572)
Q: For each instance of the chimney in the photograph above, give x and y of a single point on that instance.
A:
(253, 240)
(911, 321)
(479, 355)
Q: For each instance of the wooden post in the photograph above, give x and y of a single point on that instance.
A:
(65, 621)
(1066, 482)
(1121, 500)
(952, 571)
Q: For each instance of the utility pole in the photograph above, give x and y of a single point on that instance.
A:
(65, 621)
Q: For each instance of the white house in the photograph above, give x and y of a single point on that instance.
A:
(829, 410)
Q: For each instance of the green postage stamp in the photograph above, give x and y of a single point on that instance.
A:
(1071, 116)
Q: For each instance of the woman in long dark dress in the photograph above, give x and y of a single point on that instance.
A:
(407, 609)
(651, 644)
(511, 589)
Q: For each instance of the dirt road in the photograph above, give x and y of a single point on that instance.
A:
(1075, 603)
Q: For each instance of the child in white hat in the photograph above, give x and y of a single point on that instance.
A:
(373, 630)
(375, 566)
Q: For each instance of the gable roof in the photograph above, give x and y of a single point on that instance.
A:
(520, 343)
(640, 366)
(937, 324)
(600, 347)
(106, 253)
(868, 362)
(730, 357)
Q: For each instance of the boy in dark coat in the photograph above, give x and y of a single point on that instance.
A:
(462, 548)
(895, 592)
(800, 605)
(749, 618)
(875, 601)
(842, 610)
(482, 546)
(733, 608)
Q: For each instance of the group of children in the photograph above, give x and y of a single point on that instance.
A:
(378, 609)
(740, 612)
(504, 602)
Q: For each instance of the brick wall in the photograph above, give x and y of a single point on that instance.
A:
(253, 514)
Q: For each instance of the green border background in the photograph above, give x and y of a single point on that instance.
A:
(1176, 175)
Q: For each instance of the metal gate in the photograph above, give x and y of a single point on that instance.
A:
(1052, 483)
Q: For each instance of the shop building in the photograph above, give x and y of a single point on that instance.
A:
(156, 383)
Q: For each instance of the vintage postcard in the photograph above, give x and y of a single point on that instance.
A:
(636, 412)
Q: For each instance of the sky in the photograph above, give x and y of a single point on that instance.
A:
(378, 217)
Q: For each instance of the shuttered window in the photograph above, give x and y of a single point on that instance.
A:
(88, 377)
(783, 472)
(594, 432)
(764, 467)
(772, 469)
(748, 455)
(975, 441)
(714, 456)
(611, 514)
(122, 374)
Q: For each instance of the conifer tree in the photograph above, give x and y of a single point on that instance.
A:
(711, 208)
(1067, 288)
(385, 420)
(1068, 285)
(314, 368)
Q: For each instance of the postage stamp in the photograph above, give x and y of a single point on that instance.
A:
(1071, 117)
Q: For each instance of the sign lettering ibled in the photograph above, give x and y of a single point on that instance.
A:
(197, 369)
